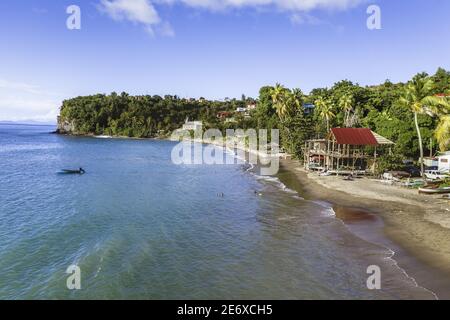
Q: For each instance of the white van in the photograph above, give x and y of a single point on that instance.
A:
(435, 175)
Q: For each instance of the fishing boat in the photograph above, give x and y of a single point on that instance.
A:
(413, 183)
(434, 190)
(79, 171)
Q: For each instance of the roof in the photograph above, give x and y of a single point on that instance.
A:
(381, 139)
(355, 136)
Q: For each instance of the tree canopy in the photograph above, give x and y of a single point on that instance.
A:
(389, 109)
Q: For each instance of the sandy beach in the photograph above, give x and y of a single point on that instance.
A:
(416, 227)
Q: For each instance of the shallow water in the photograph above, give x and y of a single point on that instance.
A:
(140, 227)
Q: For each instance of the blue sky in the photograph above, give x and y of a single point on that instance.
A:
(209, 48)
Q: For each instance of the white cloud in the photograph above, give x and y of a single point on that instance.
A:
(4, 84)
(137, 11)
(288, 5)
(166, 30)
(144, 12)
(304, 18)
(21, 101)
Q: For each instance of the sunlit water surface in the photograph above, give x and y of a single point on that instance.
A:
(140, 227)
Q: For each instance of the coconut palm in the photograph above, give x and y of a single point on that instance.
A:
(419, 99)
(297, 98)
(353, 119)
(442, 132)
(293, 102)
(324, 110)
(279, 96)
(346, 105)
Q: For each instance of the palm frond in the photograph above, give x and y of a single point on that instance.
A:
(442, 132)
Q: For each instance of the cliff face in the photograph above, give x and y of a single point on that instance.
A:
(66, 127)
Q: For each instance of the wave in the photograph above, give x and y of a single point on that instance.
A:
(275, 181)
(389, 252)
(22, 147)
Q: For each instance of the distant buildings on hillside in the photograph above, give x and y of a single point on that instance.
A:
(309, 108)
(192, 125)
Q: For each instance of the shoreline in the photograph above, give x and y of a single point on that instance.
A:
(413, 227)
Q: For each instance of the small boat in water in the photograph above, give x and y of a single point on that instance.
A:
(434, 190)
(79, 171)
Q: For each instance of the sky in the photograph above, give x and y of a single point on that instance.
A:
(208, 48)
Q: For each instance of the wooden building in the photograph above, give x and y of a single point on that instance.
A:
(345, 149)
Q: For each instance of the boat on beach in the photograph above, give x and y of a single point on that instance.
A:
(434, 190)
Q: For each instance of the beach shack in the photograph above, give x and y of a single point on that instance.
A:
(345, 150)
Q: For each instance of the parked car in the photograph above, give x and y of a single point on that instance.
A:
(413, 171)
(395, 175)
(435, 175)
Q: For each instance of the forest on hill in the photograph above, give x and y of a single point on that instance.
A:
(415, 115)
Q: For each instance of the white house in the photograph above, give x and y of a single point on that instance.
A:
(251, 106)
(444, 162)
(192, 125)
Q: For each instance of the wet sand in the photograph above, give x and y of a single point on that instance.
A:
(415, 227)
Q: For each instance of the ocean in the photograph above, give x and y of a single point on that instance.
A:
(140, 227)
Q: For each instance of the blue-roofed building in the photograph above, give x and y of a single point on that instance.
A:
(309, 108)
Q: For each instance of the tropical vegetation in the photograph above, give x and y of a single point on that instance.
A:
(415, 115)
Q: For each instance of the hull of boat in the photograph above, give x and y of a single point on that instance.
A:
(71, 172)
(434, 191)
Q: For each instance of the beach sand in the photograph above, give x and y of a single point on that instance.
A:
(416, 227)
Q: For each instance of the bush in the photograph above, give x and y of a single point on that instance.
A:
(389, 162)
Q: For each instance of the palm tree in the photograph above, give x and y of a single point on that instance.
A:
(293, 101)
(346, 105)
(278, 94)
(442, 132)
(419, 99)
(324, 110)
(297, 98)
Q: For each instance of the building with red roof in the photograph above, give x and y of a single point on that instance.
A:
(345, 149)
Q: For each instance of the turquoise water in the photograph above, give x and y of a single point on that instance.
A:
(140, 227)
